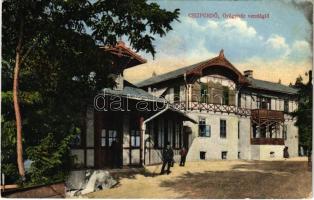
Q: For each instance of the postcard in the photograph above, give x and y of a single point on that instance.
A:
(156, 99)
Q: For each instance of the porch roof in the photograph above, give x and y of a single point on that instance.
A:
(184, 116)
(132, 92)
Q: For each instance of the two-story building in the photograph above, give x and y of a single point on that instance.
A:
(239, 117)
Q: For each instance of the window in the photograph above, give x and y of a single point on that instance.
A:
(239, 155)
(284, 131)
(202, 155)
(176, 93)
(225, 96)
(135, 138)
(224, 155)
(203, 129)
(107, 137)
(286, 106)
(223, 128)
(103, 137)
(112, 136)
(263, 103)
(204, 92)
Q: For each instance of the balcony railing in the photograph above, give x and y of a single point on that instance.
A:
(261, 114)
(271, 141)
(212, 108)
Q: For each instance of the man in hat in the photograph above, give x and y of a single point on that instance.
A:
(167, 158)
(183, 153)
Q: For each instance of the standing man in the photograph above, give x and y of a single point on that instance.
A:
(183, 153)
(167, 158)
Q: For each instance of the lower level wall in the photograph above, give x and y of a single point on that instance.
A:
(266, 152)
(214, 145)
(292, 140)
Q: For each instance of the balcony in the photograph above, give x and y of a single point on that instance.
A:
(207, 107)
(271, 141)
(263, 114)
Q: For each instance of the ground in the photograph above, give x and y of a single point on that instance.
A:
(217, 179)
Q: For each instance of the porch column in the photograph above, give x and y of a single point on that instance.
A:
(142, 130)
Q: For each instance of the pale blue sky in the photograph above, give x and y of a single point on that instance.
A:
(278, 44)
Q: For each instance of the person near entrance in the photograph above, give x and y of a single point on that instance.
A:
(285, 152)
(183, 153)
(115, 154)
(167, 158)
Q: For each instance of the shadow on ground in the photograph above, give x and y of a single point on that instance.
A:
(131, 174)
(276, 179)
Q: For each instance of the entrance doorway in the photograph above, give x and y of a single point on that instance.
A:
(108, 140)
(187, 131)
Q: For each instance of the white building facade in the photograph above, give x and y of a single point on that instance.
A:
(238, 117)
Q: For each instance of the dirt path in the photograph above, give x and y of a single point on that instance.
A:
(218, 179)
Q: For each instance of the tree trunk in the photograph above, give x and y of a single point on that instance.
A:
(19, 145)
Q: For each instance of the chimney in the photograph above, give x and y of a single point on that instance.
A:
(248, 73)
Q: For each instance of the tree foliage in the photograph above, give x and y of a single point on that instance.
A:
(304, 111)
(62, 69)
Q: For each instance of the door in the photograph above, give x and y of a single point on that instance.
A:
(186, 136)
(108, 140)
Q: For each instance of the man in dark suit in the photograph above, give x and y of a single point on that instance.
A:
(167, 158)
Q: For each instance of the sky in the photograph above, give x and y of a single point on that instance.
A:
(277, 47)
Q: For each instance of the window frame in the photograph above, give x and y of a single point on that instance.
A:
(224, 157)
(103, 136)
(223, 129)
(206, 126)
(134, 135)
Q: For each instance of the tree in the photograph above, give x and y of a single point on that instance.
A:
(304, 111)
(54, 48)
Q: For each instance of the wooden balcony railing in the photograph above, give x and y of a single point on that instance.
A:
(261, 114)
(263, 141)
(212, 108)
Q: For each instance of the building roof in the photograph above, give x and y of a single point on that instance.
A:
(168, 76)
(252, 83)
(121, 51)
(198, 68)
(271, 86)
(132, 92)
